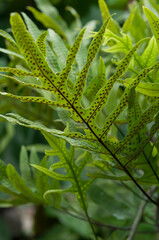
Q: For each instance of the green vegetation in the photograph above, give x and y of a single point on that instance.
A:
(96, 104)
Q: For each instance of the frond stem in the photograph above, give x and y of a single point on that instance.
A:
(75, 177)
(98, 138)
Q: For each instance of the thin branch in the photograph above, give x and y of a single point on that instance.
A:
(139, 215)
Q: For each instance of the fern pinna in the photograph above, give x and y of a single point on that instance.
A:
(57, 89)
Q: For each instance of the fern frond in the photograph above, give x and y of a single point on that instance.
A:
(18, 72)
(18, 182)
(41, 42)
(70, 59)
(149, 56)
(68, 100)
(66, 161)
(127, 24)
(102, 95)
(122, 43)
(37, 100)
(12, 53)
(29, 49)
(47, 8)
(113, 25)
(92, 51)
(40, 67)
(97, 83)
(153, 21)
(70, 95)
(148, 89)
(140, 123)
(47, 21)
(75, 138)
(35, 32)
(7, 36)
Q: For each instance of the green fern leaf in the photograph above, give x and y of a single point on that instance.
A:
(153, 21)
(15, 118)
(123, 43)
(17, 72)
(24, 83)
(100, 175)
(87, 134)
(113, 25)
(59, 48)
(4, 178)
(37, 100)
(141, 87)
(30, 186)
(140, 123)
(25, 168)
(19, 183)
(66, 161)
(103, 93)
(27, 47)
(148, 89)
(42, 184)
(97, 83)
(34, 159)
(124, 99)
(41, 42)
(7, 36)
(149, 56)
(47, 8)
(127, 24)
(47, 21)
(40, 67)
(8, 191)
(31, 26)
(92, 51)
(35, 32)
(9, 52)
(70, 59)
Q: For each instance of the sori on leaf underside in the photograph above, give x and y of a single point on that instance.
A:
(60, 89)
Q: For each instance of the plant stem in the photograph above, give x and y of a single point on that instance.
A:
(102, 143)
(115, 158)
(75, 177)
(91, 224)
(139, 215)
(124, 168)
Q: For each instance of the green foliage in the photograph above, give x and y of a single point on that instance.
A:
(31, 186)
(73, 172)
(91, 98)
